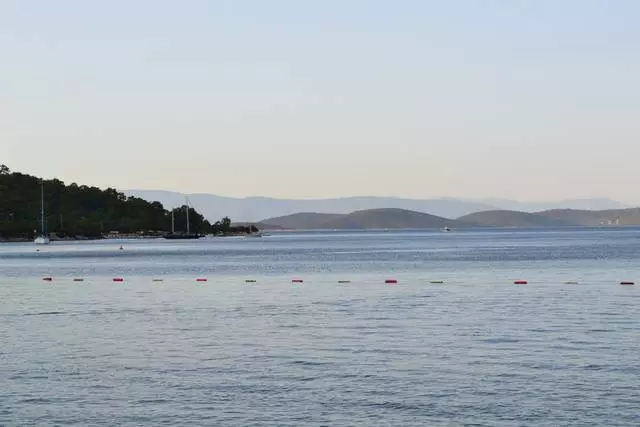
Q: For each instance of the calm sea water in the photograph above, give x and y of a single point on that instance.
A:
(476, 350)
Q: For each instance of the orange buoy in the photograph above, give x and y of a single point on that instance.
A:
(520, 282)
(47, 279)
(391, 281)
(627, 283)
(118, 279)
(201, 279)
(297, 281)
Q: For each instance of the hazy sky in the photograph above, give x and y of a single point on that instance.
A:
(519, 99)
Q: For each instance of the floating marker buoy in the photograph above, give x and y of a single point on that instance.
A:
(201, 279)
(627, 283)
(344, 281)
(391, 281)
(296, 281)
(47, 279)
(118, 279)
(437, 282)
(520, 282)
(78, 279)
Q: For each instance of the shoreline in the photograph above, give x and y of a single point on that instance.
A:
(86, 239)
(358, 230)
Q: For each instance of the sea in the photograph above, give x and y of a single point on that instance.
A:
(362, 328)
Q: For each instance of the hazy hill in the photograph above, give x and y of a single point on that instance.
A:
(504, 218)
(593, 204)
(256, 208)
(390, 218)
(298, 221)
(364, 219)
(594, 218)
(555, 218)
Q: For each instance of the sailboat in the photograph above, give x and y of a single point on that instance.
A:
(250, 232)
(187, 234)
(254, 233)
(42, 238)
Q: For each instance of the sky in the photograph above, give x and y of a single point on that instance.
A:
(528, 100)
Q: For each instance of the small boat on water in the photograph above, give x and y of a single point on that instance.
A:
(42, 238)
(256, 233)
(446, 229)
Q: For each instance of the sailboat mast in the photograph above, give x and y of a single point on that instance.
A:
(173, 221)
(187, 217)
(42, 207)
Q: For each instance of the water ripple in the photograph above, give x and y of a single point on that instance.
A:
(475, 351)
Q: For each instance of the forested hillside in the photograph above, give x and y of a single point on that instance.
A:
(77, 210)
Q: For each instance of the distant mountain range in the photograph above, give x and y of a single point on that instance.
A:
(400, 218)
(254, 209)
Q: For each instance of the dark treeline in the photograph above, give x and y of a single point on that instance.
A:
(77, 210)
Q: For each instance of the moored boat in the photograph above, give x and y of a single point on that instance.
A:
(42, 238)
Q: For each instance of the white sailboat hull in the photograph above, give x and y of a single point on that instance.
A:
(42, 240)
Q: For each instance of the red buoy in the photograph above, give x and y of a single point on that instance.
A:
(297, 281)
(520, 282)
(627, 283)
(391, 281)
(201, 279)
(118, 279)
